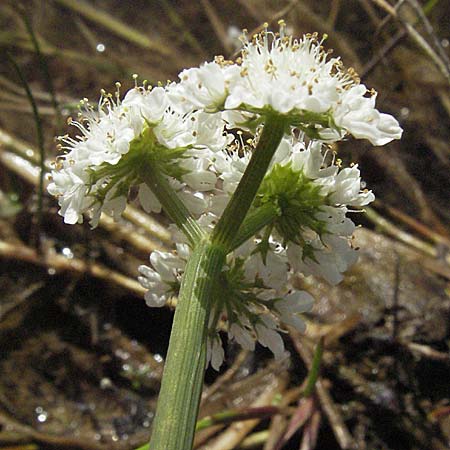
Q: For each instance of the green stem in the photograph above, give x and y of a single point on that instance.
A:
(314, 371)
(43, 64)
(179, 398)
(237, 208)
(255, 221)
(40, 136)
(171, 204)
(230, 416)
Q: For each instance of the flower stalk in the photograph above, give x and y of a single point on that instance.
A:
(172, 205)
(176, 414)
(254, 222)
(236, 210)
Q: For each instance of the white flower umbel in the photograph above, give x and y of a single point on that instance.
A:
(295, 78)
(311, 198)
(318, 94)
(101, 164)
(251, 300)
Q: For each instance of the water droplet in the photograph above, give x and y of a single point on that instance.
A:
(42, 418)
(51, 271)
(105, 383)
(67, 252)
(29, 153)
(445, 43)
(100, 47)
(97, 436)
(114, 437)
(158, 358)
(404, 112)
(39, 409)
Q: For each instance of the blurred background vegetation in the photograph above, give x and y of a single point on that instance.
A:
(81, 355)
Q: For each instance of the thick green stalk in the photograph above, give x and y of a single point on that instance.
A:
(170, 202)
(237, 208)
(179, 397)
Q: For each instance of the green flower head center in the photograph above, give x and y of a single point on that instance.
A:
(298, 200)
(144, 149)
(234, 294)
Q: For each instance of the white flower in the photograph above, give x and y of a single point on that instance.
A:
(269, 337)
(148, 200)
(293, 304)
(312, 195)
(98, 168)
(253, 310)
(299, 215)
(164, 274)
(273, 272)
(214, 352)
(204, 87)
(357, 115)
(296, 78)
(347, 189)
(242, 336)
(332, 258)
(70, 188)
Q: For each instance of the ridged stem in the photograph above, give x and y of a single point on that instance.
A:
(179, 397)
(171, 204)
(237, 208)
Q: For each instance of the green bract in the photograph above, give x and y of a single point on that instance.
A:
(117, 179)
(298, 200)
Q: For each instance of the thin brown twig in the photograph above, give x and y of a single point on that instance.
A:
(439, 58)
(236, 432)
(404, 237)
(217, 24)
(426, 351)
(334, 12)
(417, 226)
(60, 263)
(383, 4)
